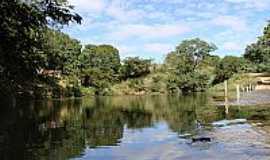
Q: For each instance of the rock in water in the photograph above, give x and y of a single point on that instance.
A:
(201, 139)
(186, 135)
(229, 122)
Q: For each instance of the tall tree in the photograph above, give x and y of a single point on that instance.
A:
(184, 65)
(228, 66)
(100, 64)
(102, 56)
(195, 50)
(62, 52)
(21, 34)
(22, 28)
(134, 67)
(259, 52)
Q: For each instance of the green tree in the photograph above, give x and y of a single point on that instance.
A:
(100, 65)
(259, 53)
(102, 56)
(195, 50)
(228, 66)
(171, 60)
(21, 36)
(210, 61)
(134, 67)
(62, 52)
(184, 65)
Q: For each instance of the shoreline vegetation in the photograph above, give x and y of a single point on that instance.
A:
(39, 61)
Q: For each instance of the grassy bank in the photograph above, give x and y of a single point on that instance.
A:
(154, 83)
(243, 79)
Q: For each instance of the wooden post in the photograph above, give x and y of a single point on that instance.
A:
(226, 89)
(226, 97)
(238, 92)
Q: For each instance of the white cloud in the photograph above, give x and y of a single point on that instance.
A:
(235, 23)
(236, 1)
(88, 6)
(120, 11)
(149, 31)
(140, 27)
(251, 4)
(259, 4)
(160, 48)
(126, 50)
(232, 46)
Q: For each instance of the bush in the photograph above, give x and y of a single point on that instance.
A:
(77, 91)
(57, 92)
(136, 84)
(135, 67)
(172, 85)
(156, 79)
(228, 66)
(156, 83)
(40, 92)
(68, 91)
(87, 91)
(155, 87)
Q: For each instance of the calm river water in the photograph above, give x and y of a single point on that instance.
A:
(132, 128)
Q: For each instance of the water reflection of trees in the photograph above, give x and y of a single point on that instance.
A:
(36, 131)
(60, 130)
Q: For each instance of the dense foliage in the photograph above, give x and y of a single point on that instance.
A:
(99, 66)
(22, 27)
(39, 60)
(61, 52)
(228, 66)
(259, 52)
(135, 67)
(183, 65)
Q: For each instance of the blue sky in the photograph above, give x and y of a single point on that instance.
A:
(152, 28)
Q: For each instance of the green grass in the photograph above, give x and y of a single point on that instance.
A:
(154, 83)
(238, 79)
